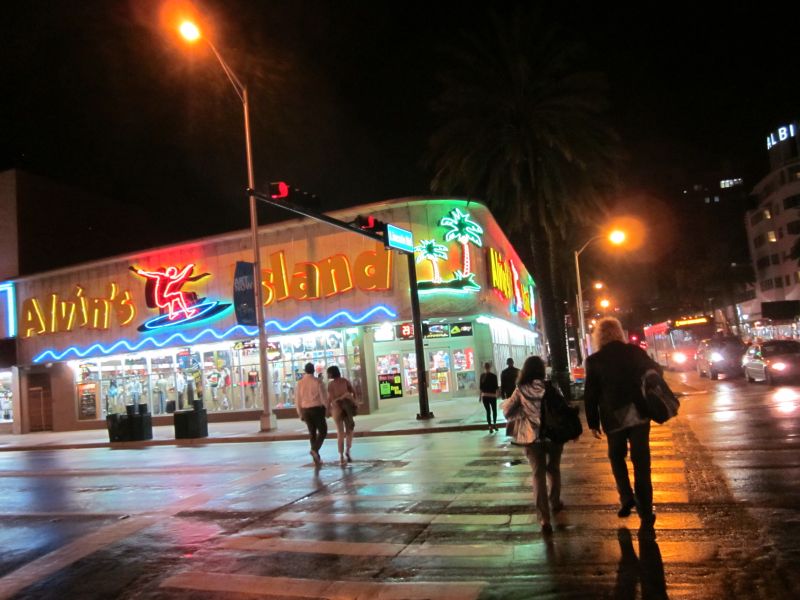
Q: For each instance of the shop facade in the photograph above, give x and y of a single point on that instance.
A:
(159, 327)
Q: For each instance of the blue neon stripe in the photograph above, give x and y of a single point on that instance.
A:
(11, 307)
(236, 329)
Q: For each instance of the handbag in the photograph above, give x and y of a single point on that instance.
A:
(659, 402)
(561, 422)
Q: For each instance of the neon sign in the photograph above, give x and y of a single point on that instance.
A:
(781, 135)
(504, 278)
(210, 334)
(163, 291)
(10, 330)
(371, 272)
(58, 314)
(465, 231)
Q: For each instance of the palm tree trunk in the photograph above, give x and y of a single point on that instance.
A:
(437, 278)
(553, 316)
(465, 250)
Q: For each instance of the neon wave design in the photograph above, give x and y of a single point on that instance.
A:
(206, 333)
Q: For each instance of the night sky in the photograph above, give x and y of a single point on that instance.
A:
(104, 96)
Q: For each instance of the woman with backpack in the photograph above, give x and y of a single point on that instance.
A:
(524, 412)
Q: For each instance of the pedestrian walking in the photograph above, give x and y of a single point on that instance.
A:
(508, 379)
(488, 395)
(613, 390)
(343, 405)
(523, 411)
(312, 407)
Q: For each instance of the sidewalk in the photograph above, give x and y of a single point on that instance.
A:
(459, 414)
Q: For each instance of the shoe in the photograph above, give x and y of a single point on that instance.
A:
(626, 509)
(648, 521)
(547, 529)
(347, 456)
(342, 460)
(557, 508)
(317, 459)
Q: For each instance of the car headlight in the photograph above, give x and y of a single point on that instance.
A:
(679, 357)
(779, 366)
(716, 357)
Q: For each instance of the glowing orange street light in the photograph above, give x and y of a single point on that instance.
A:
(605, 303)
(189, 31)
(617, 237)
(598, 285)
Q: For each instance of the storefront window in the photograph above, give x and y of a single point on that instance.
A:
(464, 364)
(6, 397)
(439, 368)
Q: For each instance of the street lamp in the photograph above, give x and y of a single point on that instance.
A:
(191, 33)
(616, 237)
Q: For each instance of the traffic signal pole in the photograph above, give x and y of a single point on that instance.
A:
(419, 350)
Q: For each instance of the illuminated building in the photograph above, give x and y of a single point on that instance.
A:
(773, 227)
(152, 326)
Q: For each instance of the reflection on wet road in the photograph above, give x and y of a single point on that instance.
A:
(428, 516)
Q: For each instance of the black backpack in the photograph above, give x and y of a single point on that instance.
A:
(560, 421)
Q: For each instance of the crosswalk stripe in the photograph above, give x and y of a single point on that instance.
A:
(330, 590)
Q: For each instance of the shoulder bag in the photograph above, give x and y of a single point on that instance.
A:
(659, 402)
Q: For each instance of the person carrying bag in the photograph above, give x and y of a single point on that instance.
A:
(524, 412)
(343, 410)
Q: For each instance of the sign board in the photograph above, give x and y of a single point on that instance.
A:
(390, 385)
(460, 329)
(244, 294)
(87, 401)
(440, 330)
(405, 331)
(399, 239)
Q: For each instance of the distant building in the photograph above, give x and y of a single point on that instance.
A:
(773, 225)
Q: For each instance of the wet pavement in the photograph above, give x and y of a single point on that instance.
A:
(414, 516)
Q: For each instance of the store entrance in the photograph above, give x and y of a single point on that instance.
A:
(40, 409)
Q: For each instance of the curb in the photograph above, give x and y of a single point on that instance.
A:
(235, 440)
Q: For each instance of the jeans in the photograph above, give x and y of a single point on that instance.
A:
(639, 438)
(317, 426)
(545, 461)
(490, 404)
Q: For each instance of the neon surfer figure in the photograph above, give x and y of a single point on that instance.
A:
(166, 289)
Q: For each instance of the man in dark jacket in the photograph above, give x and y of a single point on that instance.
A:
(612, 392)
(508, 379)
(488, 386)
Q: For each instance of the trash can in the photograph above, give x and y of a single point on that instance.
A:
(191, 423)
(117, 428)
(141, 424)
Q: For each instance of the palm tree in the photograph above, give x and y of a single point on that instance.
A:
(430, 250)
(523, 130)
(464, 230)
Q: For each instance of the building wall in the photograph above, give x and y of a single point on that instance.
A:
(9, 243)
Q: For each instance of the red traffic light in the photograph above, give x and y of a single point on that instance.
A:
(369, 223)
(278, 190)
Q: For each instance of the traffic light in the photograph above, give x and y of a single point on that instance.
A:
(370, 223)
(279, 190)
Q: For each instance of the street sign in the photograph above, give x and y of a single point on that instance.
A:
(399, 238)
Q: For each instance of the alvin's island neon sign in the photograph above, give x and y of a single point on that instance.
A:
(164, 291)
(64, 313)
(504, 278)
(371, 271)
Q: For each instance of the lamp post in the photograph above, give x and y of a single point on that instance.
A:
(191, 33)
(616, 237)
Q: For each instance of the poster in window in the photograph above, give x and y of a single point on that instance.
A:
(87, 401)
(390, 385)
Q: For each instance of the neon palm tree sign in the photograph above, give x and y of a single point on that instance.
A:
(430, 250)
(465, 231)
(462, 229)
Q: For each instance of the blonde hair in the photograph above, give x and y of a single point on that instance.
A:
(608, 329)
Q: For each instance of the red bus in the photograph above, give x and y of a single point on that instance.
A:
(673, 343)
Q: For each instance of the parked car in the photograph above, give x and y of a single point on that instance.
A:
(772, 361)
(720, 356)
